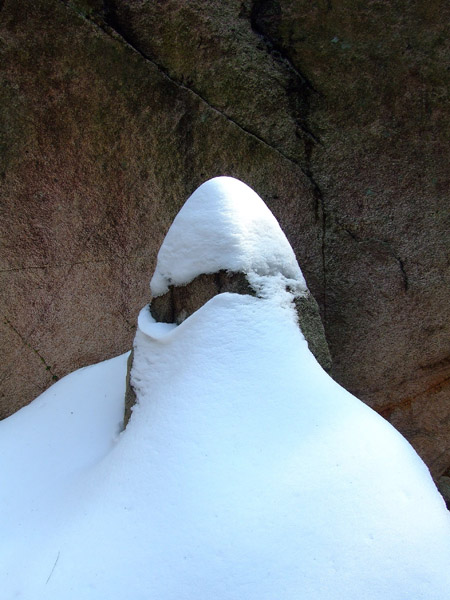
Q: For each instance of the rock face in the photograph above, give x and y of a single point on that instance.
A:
(114, 112)
(181, 301)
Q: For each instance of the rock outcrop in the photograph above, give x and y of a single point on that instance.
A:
(181, 301)
(114, 112)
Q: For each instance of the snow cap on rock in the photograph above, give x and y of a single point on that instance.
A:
(225, 225)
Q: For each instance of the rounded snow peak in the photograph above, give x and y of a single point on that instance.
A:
(225, 225)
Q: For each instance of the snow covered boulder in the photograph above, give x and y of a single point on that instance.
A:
(245, 471)
(225, 239)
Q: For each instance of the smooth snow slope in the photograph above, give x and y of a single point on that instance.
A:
(245, 473)
(44, 448)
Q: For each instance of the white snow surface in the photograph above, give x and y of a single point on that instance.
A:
(225, 225)
(245, 473)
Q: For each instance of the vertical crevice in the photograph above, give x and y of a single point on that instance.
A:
(265, 17)
(111, 19)
(321, 220)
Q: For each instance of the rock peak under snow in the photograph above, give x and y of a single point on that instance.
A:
(225, 225)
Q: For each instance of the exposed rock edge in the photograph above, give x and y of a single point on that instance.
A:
(180, 302)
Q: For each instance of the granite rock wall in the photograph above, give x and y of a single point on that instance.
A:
(336, 113)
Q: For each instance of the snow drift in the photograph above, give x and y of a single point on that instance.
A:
(245, 472)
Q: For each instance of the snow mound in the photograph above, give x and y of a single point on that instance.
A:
(225, 225)
(245, 473)
(44, 448)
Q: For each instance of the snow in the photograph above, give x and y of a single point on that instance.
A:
(224, 225)
(44, 449)
(245, 473)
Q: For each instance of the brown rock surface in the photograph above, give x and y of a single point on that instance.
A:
(337, 114)
(99, 150)
(182, 301)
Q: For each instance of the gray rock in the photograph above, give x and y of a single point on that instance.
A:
(180, 302)
(312, 328)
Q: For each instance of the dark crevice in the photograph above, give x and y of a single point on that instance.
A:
(352, 234)
(265, 16)
(111, 19)
(321, 216)
(117, 34)
(28, 345)
(308, 134)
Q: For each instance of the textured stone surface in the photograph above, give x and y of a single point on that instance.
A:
(337, 114)
(180, 302)
(312, 328)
